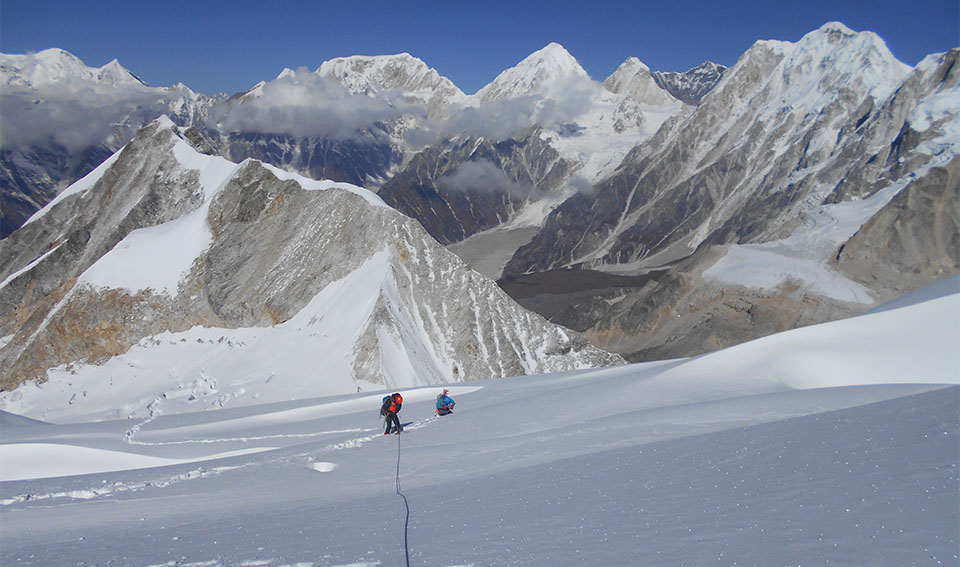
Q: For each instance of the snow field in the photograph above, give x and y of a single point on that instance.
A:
(778, 451)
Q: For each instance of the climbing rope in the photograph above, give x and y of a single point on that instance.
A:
(406, 522)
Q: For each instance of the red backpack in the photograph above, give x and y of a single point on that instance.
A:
(391, 403)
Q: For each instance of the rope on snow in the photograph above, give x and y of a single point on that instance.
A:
(406, 522)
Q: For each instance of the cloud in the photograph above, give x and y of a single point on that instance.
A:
(75, 116)
(560, 103)
(481, 176)
(304, 104)
(581, 185)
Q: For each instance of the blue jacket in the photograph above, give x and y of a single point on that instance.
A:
(445, 401)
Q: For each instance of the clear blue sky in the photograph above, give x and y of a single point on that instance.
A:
(228, 46)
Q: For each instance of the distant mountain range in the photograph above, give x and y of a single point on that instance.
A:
(356, 119)
(661, 214)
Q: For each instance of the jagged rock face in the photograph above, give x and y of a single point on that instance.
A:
(32, 177)
(467, 187)
(693, 85)
(270, 249)
(365, 160)
(133, 192)
(913, 241)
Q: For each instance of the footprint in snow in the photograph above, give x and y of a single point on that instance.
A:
(323, 466)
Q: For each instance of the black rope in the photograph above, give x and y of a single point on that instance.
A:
(406, 522)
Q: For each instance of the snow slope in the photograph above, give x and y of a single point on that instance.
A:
(777, 452)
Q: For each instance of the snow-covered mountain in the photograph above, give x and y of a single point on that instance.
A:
(833, 444)
(634, 78)
(399, 75)
(747, 201)
(59, 67)
(540, 73)
(357, 119)
(167, 273)
(564, 132)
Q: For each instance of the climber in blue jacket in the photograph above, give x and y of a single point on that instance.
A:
(445, 403)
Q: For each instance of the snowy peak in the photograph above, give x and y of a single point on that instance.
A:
(385, 76)
(847, 59)
(372, 74)
(113, 73)
(836, 29)
(834, 36)
(807, 76)
(634, 79)
(57, 66)
(536, 74)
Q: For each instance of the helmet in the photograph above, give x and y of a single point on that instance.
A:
(398, 398)
(445, 391)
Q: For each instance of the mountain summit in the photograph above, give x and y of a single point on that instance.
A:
(634, 78)
(538, 73)
(373, 75)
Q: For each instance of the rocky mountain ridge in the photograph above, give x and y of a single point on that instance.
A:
(636, 79)
(692, 85)
(162, 242)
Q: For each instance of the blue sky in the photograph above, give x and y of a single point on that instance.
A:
(220, 46)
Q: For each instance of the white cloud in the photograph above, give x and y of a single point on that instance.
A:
(75, 116)
(483, 176)
(304, 104)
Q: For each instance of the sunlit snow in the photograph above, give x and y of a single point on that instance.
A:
(831, 444)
